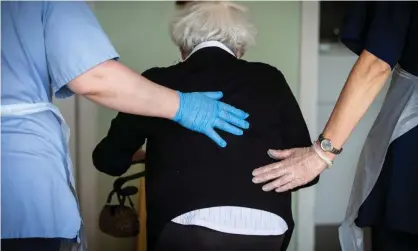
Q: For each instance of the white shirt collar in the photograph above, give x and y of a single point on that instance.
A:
(211, 44)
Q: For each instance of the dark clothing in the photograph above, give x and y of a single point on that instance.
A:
(393, 201)
(185, 170)
(205, 239)
(31, 244)
(391, 240)
(387, 29)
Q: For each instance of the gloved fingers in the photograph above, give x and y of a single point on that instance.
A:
(224, 126)
(280, 154)
(235, 111)
(266, 168)
(213, 95)
(288, 186)
(215, 137)
(233, 119)
(269, 172)
(281, 181)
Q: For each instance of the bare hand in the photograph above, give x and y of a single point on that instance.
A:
(298, 167)
(139, 155)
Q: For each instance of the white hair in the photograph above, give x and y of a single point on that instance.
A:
(221, 21)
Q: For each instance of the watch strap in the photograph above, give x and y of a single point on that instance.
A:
(333, 150)
(321, 154)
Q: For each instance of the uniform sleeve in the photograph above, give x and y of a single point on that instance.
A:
(380, 27)
(74, 43)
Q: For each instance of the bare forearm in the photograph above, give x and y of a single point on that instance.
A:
(115, 86)
(364, 83)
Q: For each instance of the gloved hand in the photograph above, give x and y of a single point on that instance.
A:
(298, 167)
(202, 112)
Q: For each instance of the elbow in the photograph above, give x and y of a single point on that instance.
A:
(379, 68)
(373, 68)
(93, 82)
(104, 164)
(99, 161)
(369, 74)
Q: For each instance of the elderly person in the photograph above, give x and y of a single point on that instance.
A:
(199, 196)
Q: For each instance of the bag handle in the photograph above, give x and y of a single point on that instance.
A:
(121, 197)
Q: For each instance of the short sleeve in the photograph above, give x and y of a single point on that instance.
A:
(74, 43)
(381, 28)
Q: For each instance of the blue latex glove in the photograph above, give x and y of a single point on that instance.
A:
(202, 112)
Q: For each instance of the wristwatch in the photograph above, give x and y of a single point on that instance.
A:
(326, 145)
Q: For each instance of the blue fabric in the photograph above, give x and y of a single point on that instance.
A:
(44, 46)
(387, 29)
(201, 112)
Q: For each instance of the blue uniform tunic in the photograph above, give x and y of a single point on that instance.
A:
(45, 45)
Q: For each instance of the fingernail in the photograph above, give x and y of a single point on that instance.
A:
(270, 153)
(223, 144)
(255, 180)
(240, 132)
(247, 125)
(255, 172)
(265, 189)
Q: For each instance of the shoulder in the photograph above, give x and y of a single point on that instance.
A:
(154, 71)
(162, 75)
(381, 28)
(263, 71)
(262, 67)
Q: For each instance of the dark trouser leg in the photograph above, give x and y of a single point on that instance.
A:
(176, 237)
(388, 240)
(31, 244)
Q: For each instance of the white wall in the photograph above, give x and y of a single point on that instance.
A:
(333, 190)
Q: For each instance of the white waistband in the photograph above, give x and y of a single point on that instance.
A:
(26, 108)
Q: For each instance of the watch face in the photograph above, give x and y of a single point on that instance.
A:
(326, 145)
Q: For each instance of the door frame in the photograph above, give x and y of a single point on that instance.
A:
(308, 100)
(87, 177)
(87, 114)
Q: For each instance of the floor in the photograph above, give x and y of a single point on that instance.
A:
(326, 238)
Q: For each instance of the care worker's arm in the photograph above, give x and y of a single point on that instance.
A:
(379, 41)
(116, 86)
(82, 60)
(127, 133)
(364, 83)
(301, 165)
